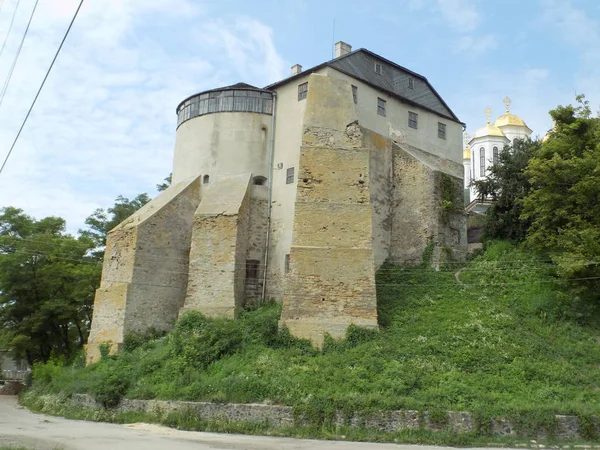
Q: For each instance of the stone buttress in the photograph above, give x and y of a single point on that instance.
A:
(331, 283)
(145, 271)
(227, 247)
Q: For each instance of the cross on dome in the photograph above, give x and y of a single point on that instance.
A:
(507, 102)
(488, 114)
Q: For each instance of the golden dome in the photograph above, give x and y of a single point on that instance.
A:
(467, 153)
(488, 130)
(509, 119)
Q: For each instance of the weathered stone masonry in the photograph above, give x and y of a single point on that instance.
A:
(351, 187)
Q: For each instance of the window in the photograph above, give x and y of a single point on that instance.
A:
(205, 179)
(287, 263)
(252, 269)
(473, 162)
(482, 162)
(259, 180)
(378, 69)
(381, 107)
(411, 83)
(302, 91)
(355, 94)
(495, 155)
(289, 178)
(413, 120)
(441, 130)
(242, 100)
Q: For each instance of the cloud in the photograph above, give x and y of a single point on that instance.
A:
(574, 26)
(580, 31)
(476, 45)
(104, 124)
(460, 15)
(239, 42)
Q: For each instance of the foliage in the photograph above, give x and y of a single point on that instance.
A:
(135, 339)
(507, 184)
(451, 196)
(47, 285)
(563, 205)
(501, 342)
(165, 184)
(103, 220)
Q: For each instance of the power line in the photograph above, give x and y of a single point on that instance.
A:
(16, 58)
(9, 27)
(41, 86)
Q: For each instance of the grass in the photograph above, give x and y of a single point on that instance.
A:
(504, 340)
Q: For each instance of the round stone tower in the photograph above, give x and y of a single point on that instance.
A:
(223, 132)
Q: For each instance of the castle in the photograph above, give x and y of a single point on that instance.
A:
(296, 192)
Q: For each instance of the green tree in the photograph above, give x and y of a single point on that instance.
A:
(103, 220)
(507, 184)
(47, 283)
(167, 182)
(563, 205)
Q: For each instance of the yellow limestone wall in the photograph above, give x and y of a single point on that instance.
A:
(219, 247)
(331, 283)
(145, 269)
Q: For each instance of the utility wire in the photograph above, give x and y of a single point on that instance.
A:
(9, 27)
(16, 58)
(41, 86)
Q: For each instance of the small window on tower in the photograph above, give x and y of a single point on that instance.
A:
(205, 179)
(355, 93)
(413, 120)
(381, 107)
(302, 91)
(287, 263)
(289, 178)
(378, 69)
(441, 130)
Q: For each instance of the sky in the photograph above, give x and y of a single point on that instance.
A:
(104, 124)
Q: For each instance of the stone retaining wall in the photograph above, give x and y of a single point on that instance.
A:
(567, 427)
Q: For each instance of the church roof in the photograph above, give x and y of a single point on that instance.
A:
(488, 130)
(510, 119)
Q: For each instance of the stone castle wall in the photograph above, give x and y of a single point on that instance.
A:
(331, 283)
(567, 427)
(145, 269)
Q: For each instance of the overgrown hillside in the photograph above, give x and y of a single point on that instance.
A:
(498, 337)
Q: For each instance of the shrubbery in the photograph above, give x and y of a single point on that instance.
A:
(499, 341)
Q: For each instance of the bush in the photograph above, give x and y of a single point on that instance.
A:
(198, 341)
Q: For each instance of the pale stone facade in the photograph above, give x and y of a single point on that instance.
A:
(297, 192)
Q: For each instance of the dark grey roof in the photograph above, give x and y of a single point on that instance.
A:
(393, 80)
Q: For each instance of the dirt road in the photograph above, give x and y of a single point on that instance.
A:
(20, 426)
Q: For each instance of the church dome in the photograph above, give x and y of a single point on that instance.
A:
(510, 119)
(467, 153)
(488, 130)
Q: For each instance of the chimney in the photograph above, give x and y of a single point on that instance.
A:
(296, 69)
(341, 49)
